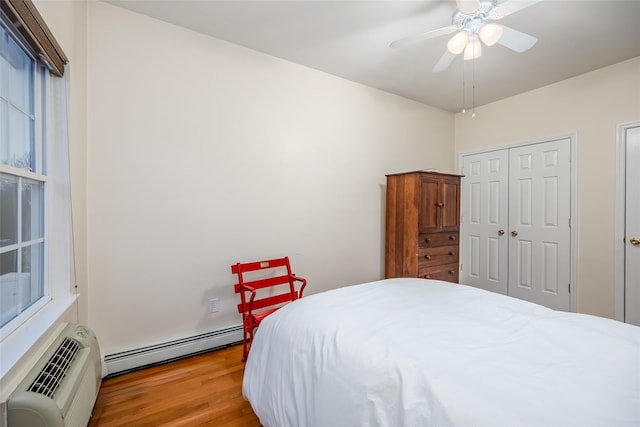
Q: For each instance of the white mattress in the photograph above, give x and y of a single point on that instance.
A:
(412, 352)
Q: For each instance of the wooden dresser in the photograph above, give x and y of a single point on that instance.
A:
(423, 226)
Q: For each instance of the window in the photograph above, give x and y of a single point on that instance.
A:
(23, 180)
(35, 212)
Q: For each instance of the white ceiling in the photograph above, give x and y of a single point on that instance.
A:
(351, 39)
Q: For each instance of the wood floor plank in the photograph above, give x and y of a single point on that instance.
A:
(202, 390)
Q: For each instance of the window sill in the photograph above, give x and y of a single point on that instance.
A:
(30, 339)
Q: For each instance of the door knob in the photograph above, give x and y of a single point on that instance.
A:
(634, 241)
(514, 233)
(500, 232)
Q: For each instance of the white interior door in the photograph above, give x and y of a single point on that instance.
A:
(485, 211)
(539, 222)
(632, 227)
(524, 192)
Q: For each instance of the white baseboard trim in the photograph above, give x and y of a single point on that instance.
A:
(119, 363)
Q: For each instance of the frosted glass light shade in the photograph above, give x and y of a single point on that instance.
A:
(490, 33)
(458, 42)
(473, 50)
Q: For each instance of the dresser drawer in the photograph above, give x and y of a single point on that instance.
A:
(438, 255)
(428, 240)
(447, 272)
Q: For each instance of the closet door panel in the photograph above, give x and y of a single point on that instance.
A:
(539, 231)
(484, 250)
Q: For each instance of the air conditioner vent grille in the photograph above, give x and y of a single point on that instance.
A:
(51, 375)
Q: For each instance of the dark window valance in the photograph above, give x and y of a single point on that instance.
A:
(26, 19)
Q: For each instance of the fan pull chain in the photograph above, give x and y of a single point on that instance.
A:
(473, 84)
(464, 88)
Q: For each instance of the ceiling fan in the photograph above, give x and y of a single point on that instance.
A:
(472, 21)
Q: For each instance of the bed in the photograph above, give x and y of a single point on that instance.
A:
(415, 352)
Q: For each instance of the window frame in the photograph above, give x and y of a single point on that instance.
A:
(39, 174)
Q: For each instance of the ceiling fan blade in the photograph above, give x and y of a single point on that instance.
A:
(511, 6)
(468, 6)
(424, 36)
(516, 40)
(445, 60)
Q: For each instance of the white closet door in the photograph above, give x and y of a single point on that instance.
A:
(539, 229)
(632, 227)
(485, 210)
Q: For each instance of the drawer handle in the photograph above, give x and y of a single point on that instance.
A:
(452, 272)
(427, 257)
(452, 237)
(452, 253)
(427, 240)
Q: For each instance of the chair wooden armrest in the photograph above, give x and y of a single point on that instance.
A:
(304, 283)
(247, 288)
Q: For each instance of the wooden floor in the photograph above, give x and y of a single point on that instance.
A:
(202, 390)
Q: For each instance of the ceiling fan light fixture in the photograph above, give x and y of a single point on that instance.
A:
(458, 42)
(473, 50)
(490, 33)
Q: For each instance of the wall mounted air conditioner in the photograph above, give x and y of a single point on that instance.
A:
(62, 387)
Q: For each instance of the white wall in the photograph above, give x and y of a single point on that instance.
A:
(592, 105)
(202, 153)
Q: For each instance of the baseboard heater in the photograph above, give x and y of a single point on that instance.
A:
(131, 360)
(61, 389)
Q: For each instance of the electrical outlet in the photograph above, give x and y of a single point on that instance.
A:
(214, 305)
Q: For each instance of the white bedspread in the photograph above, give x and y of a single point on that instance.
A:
(411, 352)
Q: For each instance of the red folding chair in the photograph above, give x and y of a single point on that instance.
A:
(257, 283)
